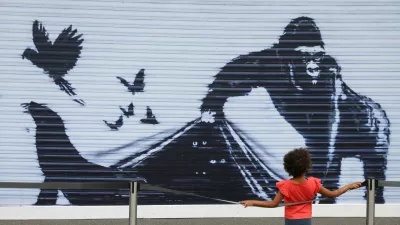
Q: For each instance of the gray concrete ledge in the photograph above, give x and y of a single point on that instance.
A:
(222, 221)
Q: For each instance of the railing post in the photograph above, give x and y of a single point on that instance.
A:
(371, 186)
(133, 203)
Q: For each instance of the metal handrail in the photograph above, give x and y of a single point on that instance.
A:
(372, 184)
(132, 185)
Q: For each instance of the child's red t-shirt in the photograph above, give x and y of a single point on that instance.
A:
(294, 192)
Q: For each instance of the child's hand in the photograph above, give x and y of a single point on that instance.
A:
(247, 203)
(355, 185)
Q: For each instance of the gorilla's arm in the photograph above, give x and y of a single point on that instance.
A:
(361, 113)
(369, 114)
(238, 77)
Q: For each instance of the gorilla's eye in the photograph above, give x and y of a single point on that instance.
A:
(194, 143)
(307, 56)
(319, 56)
(204, 142)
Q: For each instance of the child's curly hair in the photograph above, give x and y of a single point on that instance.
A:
(297, 162)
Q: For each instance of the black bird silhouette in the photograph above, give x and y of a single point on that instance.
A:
(57, 58)
(138, 83)
(150, 117)
(117, 123)
(128, 112)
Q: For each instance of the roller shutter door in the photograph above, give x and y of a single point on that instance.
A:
(99, 90)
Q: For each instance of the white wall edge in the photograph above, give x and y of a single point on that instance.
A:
(182, 211)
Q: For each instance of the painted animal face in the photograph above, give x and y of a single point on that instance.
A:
(311, 57)
(314, 71)
(199, 143)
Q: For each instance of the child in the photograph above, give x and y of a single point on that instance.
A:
(298, 189)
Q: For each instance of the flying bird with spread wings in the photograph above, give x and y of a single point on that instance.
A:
(115, 126)
(128, 112)
(137, 85)
(57, 58)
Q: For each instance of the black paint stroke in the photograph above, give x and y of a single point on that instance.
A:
(59, 160)
(150, 117)
(128, 112)
(137, 85)
(150, 150)
(131, 144)
(203, 158)
(57, 58)
(310, 107)
(115, 126)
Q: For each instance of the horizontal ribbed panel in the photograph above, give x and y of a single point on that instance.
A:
(182, 46)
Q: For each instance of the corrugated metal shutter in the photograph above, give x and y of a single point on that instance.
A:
(182, 46)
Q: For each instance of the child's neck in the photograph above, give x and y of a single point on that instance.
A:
(299, 179)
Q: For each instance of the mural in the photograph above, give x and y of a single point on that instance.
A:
(211, 154)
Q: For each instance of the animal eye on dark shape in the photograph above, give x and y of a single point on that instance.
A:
(204, 142)
(194, 143)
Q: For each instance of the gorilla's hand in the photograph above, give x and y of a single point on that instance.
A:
(212, 107)
(208, 116)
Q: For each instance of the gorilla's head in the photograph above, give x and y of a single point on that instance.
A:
(320, 81)
(302, 48)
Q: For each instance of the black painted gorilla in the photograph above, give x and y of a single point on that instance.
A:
(307, 89)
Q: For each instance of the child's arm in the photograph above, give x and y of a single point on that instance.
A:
(333, 194)
(265, 204)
